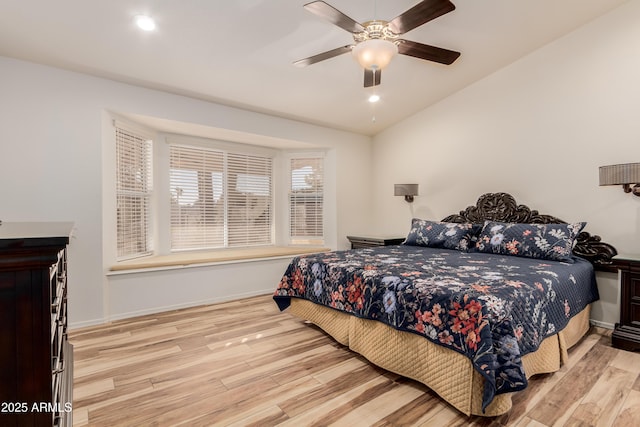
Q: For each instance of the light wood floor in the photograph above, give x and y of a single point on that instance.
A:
(244, 363)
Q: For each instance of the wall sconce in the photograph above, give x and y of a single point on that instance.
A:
(406, 190)
(627, 174)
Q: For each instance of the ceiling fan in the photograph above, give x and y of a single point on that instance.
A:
(377, 42)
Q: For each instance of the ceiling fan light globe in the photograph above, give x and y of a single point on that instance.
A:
(374, 54)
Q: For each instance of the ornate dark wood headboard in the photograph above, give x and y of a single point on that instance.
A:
(503, 207)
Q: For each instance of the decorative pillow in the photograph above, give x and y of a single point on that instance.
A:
(448, 235)
(544, 241)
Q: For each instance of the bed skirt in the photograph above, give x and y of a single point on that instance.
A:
(446, 372)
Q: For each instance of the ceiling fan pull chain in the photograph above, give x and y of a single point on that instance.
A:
(374, 98)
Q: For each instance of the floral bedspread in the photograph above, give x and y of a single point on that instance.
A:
(492, 308)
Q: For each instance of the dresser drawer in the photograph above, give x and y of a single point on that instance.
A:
(627, 333)
(634, 286)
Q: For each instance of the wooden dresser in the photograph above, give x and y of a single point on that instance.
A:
(36, 359)
(626, 334)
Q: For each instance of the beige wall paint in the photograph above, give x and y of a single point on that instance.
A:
(52, 128)
(537, 129)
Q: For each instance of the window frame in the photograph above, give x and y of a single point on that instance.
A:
(228, 151)
(160, 200)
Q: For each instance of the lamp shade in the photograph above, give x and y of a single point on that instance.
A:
(627, 173)
(405, 190)
(374, 54)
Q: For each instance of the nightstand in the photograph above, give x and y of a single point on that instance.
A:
(627, 333)
(373, 241)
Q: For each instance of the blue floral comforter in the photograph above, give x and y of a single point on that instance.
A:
(492, 308)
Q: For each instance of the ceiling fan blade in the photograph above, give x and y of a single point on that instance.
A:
(371, 78)
(419, 14)
(322, 56)
(333, 15)
(425, 51)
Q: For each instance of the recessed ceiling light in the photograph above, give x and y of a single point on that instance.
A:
(145, 22)
(374, 98)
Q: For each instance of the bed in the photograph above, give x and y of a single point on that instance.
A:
(471, 306)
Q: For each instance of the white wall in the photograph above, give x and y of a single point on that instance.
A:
(537, 129)
(139, 293)
(52, 133)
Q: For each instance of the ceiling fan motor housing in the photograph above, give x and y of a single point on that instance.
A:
(375, 30)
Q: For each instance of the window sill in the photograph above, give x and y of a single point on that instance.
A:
(199, 259)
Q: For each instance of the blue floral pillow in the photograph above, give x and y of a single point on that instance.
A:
(448, 235)
(544, 241)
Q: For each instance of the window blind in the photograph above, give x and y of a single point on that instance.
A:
(306, 201)
(249, 200)
(219, 199)
(196, 179)
(133, 192)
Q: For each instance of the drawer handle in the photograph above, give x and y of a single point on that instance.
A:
(59, 370)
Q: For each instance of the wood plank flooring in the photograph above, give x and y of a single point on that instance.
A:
(243, 363)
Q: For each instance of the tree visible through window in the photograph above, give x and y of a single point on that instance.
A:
(306, 201)
(219, 199)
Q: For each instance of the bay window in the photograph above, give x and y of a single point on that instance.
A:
(211, 195)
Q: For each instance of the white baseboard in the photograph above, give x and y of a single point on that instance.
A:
(73, 326)
(154, 310)
(121, 316)
(600, 324)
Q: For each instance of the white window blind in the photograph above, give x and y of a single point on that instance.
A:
(133, 191)
(197, 205)
(219, 199)
(306, 200)
(249, 200)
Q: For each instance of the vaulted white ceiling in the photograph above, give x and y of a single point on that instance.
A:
(240, 52)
